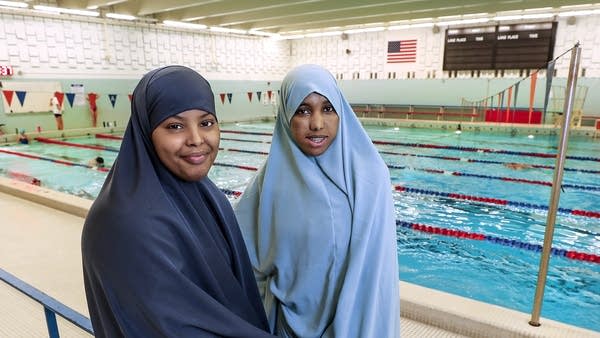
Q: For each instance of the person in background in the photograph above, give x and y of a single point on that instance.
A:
(517, 166)
(92, 97)
(97, 162)
(162, 252)
(23, 138)
(57, 111)
(318, 219)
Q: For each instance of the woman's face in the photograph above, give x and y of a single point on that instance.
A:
(188, 143)
(314, 124)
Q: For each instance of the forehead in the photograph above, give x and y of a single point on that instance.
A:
(315, 97)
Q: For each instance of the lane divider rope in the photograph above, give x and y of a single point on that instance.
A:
(571, 254)
(459, 148)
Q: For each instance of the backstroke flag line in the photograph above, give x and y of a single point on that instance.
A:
(402, 51)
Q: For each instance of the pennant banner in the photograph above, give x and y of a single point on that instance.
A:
(250, 96)
(60, 97)
(8, 95)
(113, 99)
(532, 94)
(130, 97)
(508, 102)
(70, 98)
(258, 94)
(229, 95)
(21, 96)
(516, 95)
(222, 95)
(549, 76)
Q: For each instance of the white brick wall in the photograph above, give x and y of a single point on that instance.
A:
(39, 46)
(44, 46)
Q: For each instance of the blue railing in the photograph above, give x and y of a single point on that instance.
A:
(52, 307)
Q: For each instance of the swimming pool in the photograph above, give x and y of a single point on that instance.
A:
(467, 224)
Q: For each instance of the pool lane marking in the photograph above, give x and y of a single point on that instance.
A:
(447, 158)
(37, 157)
(78, 145)
(109, 136)
(463, 159)
(571, 254)
(446, 172)
(577, 212)
(502, 178)
(497, 201)
(435, 171)
(459, 148)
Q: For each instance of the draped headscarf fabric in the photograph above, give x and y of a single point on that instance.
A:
(164, 257)
(320, 230)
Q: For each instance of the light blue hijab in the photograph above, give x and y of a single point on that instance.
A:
(320, 230)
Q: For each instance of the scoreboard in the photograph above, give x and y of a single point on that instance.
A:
(517, 46)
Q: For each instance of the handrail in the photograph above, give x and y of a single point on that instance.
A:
(51, 306)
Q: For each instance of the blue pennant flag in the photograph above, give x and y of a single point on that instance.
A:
(113, 99)
(21, 96)
(70, 98)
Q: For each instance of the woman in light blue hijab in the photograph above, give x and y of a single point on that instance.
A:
(318, 219)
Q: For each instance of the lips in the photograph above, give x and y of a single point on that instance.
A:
(317, 140)
(195, 158)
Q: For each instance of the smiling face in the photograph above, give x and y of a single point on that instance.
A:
(314, 125)
(188, 143)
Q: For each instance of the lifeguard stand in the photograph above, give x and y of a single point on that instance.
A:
(557, 104)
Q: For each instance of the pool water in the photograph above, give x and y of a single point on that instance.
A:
(455, 182)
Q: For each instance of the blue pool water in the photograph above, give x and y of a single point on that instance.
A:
(430, 165)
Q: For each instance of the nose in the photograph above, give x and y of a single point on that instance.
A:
(195, 136)
(316, 121)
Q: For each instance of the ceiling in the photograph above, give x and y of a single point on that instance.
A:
(296, 16)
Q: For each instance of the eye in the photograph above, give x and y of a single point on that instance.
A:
(328, 108)
(302, 110)
(174, 126)
(208, 123)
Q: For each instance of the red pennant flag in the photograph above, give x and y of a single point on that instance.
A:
(222, 95)
(532, 93)
(8, 95)
(130, 97)
(250, 96)
(269, 93)
(60, 97)
(508, 102)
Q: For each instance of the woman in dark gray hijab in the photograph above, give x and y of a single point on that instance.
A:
(162, 252)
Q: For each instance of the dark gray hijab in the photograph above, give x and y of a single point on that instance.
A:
(163, 257)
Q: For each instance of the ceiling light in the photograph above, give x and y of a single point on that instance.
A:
(364, 30)
(120, 16)
(577, 13)
(228, 30)
(59, 10)
(314, 35)
(261, 33)
(421, 25)
(462, 22)
(184, 24)
(291, 37)
(14, 4)
(395, 28)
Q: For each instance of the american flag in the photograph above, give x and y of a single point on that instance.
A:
(402, 51)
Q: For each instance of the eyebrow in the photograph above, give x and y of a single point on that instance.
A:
(176, 116)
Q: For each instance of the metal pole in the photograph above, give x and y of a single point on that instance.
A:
(556, 185)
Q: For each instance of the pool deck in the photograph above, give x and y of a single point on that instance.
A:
(40, 244)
